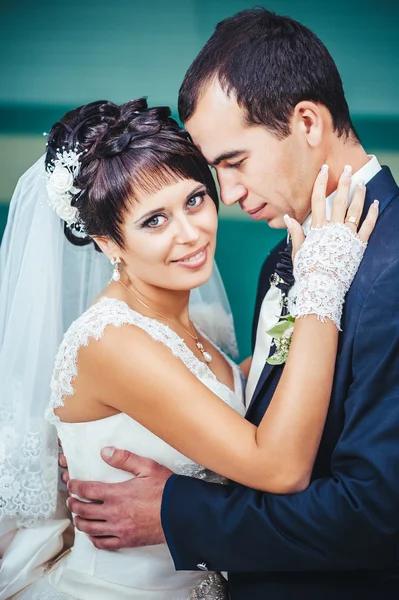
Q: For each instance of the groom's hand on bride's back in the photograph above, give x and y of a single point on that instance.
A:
(62, 463)
(121, 515)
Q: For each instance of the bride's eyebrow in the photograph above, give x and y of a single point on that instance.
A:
(155, 211)
(197, 189)
(150, 213)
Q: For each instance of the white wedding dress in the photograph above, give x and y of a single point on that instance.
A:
(147, 573)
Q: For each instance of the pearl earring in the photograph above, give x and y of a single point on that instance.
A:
(115, 262)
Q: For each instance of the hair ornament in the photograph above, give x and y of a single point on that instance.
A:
(61, 174)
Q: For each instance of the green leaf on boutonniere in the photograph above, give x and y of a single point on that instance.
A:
(282, 334)
(289, 318)
(276, 360)
(278, 330)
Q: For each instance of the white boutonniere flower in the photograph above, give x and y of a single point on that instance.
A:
(282, 336)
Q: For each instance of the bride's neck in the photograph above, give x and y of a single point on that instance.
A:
(149, 300)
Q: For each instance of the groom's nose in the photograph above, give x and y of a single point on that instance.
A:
(231, 193)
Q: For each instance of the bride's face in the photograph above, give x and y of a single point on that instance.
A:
(170, 237)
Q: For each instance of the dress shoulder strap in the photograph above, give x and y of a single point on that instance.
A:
(92, 325)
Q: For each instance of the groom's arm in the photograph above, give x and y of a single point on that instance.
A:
(347, 521)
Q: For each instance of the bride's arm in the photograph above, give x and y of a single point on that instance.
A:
(147, 382)
(158, 391)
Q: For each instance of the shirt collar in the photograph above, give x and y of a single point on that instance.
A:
(365, 174)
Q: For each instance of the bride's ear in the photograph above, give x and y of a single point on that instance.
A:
(107, 247)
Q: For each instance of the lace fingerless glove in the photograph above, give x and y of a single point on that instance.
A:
(324, 269)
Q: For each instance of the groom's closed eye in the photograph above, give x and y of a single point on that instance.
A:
(226, 156)
(235, 165)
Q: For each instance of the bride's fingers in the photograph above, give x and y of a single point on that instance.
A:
(296, 232)
(341, 199)
(355, 210)
(319, 198)
(369, 222)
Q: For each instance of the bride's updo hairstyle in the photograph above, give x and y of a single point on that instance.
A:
(124, 149)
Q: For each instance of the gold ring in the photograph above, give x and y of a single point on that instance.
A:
(352, 220)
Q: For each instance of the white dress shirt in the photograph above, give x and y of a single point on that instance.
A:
(271, 305)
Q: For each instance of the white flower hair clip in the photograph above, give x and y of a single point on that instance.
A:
(60, 175)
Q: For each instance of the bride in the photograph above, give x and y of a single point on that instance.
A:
(141, 364)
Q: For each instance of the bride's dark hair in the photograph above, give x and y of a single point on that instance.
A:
(125, 148)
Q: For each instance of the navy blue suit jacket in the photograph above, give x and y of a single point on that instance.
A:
(340, 537)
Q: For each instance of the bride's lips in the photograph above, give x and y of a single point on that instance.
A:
(195, 259)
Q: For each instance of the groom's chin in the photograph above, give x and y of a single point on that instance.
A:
(277, 222)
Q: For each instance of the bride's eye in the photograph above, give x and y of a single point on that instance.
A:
(155, 222)
(196, 200)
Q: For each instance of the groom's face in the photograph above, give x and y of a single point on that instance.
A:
(268, 177)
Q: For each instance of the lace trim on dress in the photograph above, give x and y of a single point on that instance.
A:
(214, 587)
(92, 324)
(26, 466)
(51, 596)
(198, 472)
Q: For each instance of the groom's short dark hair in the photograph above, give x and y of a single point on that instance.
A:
(270, 63)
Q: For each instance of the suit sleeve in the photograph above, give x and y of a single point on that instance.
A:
(347, 521)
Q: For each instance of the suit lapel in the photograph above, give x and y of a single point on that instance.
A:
(381, 187)
(264, 376)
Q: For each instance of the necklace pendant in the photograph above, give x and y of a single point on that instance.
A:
(207, 357)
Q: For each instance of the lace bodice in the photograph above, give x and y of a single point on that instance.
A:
(92, 324)
(128, 572)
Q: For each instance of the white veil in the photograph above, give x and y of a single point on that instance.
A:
(45, 283)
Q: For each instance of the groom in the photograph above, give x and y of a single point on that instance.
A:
(264, 102)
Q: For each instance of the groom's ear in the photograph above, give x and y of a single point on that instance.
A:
(309, 122)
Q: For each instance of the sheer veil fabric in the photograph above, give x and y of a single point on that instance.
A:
(45, 284)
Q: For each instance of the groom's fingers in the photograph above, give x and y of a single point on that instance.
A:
(65, 477)
(90, 490)
(94, 528)
(106, 543)
(62, 461)
(86, 510)
(123, 459)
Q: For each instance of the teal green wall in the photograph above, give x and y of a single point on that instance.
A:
(65, 53)
(57, 55)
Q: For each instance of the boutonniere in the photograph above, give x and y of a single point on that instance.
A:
(282, 336)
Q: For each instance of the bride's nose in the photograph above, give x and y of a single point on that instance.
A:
(186, 231)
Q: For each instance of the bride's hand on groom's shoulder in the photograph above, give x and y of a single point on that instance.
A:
(121, 515)
(341, 214)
